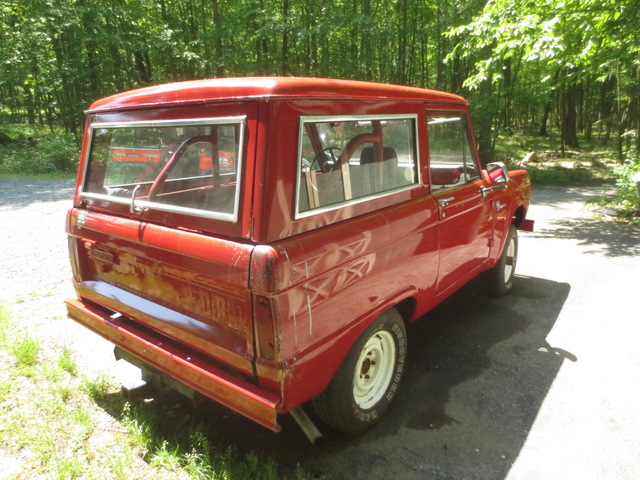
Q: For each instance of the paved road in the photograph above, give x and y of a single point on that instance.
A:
(542, 384)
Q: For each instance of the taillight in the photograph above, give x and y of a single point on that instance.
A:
(264, 327)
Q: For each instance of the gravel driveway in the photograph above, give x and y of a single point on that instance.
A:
(542, 384)
(35, 276)
(33, 254)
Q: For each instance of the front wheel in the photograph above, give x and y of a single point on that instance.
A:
(368, 379)
(500, 278)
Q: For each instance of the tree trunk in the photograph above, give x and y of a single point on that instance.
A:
(367, 50)
(569, 117)
(217, 20)
(545, 118)
(285, 38)
(484, 117)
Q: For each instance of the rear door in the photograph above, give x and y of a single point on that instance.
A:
(156, 237)
(465, 216)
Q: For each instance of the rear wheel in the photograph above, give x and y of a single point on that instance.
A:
(367, 381)
(500, 278)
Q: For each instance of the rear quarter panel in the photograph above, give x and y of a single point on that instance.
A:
(327, 286)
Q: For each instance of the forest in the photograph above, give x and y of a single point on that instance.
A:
(567, 66)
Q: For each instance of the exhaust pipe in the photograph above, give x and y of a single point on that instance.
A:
(307, 426)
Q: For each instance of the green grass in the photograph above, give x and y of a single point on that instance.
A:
(57, 423)
(26, 351)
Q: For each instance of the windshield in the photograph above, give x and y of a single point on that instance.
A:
(189, 166)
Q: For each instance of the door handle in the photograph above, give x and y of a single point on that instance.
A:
(487, 190)
(444, 202)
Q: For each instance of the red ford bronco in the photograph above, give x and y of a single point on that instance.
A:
(264, 241)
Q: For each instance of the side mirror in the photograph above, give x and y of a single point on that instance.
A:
(498, 172)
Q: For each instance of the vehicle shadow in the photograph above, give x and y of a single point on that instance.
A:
(479, 368)
(606, 238)
(478, 371)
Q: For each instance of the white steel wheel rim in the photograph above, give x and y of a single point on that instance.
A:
(374, 369)
(510, 262)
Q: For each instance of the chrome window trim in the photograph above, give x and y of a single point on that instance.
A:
(353, 118)
(144, 204)
(447, 116)
(354, 201)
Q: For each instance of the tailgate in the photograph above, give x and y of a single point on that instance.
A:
(187, 287)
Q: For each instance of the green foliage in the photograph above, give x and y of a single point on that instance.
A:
(4, 324)
(26, 351)
(520, 63)
(39, 152)
(627, 176)
(67, 363)
(96, 387)
(53, 424)
(576, 35)
(578, 58)
(190, 449)
(63, 55)
(558, 175)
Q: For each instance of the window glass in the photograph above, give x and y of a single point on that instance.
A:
(182, 167)
(451, 159)
(345, 160)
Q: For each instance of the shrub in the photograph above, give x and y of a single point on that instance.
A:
(626, 180)
(627, 175)
(40, 153)
(557, 175)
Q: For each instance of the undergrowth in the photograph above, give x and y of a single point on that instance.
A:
(54, 425)
(29, 150)
(594, 163)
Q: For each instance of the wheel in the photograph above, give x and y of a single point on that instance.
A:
(500, 278)
(368, 379)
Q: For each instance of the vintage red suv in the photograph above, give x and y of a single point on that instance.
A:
(264, 241)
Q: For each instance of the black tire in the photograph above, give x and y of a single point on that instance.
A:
(368, 379)
(499, 279)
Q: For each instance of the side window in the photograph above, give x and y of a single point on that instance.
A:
(344, 160)
(451, 158)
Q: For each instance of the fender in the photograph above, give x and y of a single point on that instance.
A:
(308, 374)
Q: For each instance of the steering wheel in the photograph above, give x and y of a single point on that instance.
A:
(329, 159)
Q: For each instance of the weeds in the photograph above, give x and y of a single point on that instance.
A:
(26, 351)
(625, 204)
(53, 424)
(67, 363)
(4, 325)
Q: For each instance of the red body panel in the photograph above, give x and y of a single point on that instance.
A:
(258, 313)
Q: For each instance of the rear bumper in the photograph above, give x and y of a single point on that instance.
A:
(253, 402)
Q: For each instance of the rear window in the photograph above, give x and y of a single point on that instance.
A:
(346, 160)
(190, 166)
